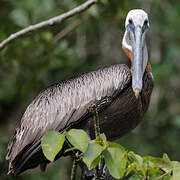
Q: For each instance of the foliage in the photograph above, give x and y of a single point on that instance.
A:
(78, 138)
(52, 142)
(119, 161)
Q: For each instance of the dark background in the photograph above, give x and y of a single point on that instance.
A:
(41, 58)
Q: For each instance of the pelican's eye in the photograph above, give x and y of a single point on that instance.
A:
(145, 26)
(146, 22)
(130, 21)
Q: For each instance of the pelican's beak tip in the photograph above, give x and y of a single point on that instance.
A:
(137, 94)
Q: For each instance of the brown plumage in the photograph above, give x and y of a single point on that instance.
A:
(65, 105)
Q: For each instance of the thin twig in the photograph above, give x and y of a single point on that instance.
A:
(55, 20)
(74, 166)
(96, 123)
(98, 138)
(101, 165)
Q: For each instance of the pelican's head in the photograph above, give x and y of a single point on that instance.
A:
(134, 45)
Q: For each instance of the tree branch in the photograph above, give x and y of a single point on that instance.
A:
(98, 138)
(96, 123)
(74, 166)
(55, 20)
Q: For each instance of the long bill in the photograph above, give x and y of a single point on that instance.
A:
(137, 48)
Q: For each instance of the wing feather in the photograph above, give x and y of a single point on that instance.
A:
(62, 104)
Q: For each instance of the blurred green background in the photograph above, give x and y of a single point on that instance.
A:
(41, 58)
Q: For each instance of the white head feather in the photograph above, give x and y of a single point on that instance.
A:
(138, 16)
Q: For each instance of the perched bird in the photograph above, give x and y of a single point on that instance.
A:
(121, 95)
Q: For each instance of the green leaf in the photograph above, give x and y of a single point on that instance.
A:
(95, 162)
(116, 161)
(103, 141)
(52, 143)
(78, 138)
(92, 154)
(69, 149)
(176, 170)
(130, 168)
(166, 158)
(159, 163)
(137, 159)
(103, 138)
(116, 145)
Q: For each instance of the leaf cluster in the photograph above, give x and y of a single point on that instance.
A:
(119, 161)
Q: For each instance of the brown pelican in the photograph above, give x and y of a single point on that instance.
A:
(121, 95)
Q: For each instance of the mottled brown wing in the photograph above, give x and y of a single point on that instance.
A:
(63, 104)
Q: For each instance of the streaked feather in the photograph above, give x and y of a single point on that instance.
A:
(62, 105)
